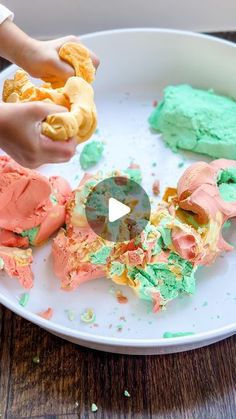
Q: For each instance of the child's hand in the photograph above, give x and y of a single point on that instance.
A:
(41, 60)
(21, 138)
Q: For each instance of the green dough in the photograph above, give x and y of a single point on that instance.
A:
(197, 120)
(100, 256)
(168, 335)
(161, 277)
(227, 224)
(165, 235)
(53, 199)
(134, 174)
(31, 234)
(227, 184)
(117, 268)
(1, 263)
(91, 154)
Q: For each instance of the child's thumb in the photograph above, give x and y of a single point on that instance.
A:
(42, 109)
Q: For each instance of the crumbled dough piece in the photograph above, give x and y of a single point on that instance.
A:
(21, 89)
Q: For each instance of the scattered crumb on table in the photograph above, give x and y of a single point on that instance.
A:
(94, 408)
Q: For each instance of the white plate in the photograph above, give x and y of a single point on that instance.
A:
(135, 66)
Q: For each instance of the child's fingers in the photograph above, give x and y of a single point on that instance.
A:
(40, 110)
(64, 70)
(58, 151)
(94, 59)
(60, 41)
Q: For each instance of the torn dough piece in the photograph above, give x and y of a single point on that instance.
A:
(17, 263)
(76, 95)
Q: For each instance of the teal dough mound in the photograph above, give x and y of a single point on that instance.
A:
(197, 120)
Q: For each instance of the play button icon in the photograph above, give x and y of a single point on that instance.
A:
(117, 209)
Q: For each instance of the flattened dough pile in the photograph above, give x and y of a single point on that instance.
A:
(76, 95)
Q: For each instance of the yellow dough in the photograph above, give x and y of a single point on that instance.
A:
(21, 89)
(76, 95)
(78, 56)
(81, 121)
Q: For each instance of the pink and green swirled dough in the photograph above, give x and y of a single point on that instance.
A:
(32, 208)
(184, 232)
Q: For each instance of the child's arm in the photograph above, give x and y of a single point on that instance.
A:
(39, 58)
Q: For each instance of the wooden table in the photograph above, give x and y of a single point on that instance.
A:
(68, 379)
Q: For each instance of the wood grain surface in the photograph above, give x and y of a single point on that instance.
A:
(68, 379)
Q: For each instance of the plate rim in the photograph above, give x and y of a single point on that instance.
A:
(113, 341)
(82, 336)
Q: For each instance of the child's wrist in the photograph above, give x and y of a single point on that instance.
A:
(13, 42)
(2, 115)
(25, 54)
(3, 122)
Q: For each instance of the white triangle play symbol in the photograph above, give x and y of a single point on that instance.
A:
(117, 210)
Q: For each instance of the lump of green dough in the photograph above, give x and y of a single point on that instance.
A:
(163, 278)
(117, 268)
(134, 174)
(91, 154)
(100, 256)
(197, 120)
(227, 184)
